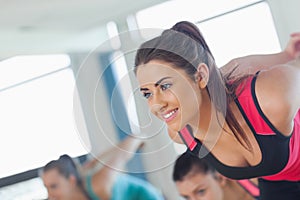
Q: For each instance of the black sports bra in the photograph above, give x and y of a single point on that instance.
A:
(272, 149)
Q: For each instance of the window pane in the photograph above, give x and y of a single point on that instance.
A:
(249, 30)
(26, 190)
(22, 68)
(167, 14)
(244, 32)
(37, 123)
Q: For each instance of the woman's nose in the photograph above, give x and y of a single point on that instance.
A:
(158, 103)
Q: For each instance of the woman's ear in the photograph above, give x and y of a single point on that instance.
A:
(202, 75)
(72, 179)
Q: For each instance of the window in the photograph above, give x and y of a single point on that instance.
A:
(166, 14)
(231, 28)
(247, 31)
(36, 103)
(30, 189)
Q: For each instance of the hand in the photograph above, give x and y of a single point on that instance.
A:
(293, 46)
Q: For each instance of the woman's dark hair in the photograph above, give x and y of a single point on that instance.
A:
(66, 166)
(189, 163)
(184, 47)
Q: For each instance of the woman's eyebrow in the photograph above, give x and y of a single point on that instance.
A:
(156, 84)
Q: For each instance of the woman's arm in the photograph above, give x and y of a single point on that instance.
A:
(253, 63)
(113, 160)
(124, 151)
(278, 93)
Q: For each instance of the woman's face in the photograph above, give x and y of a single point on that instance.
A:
(58, 186)
(171, 94)
(200, 186)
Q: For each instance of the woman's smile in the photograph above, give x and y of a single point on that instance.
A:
(172, 95)
(170, 115)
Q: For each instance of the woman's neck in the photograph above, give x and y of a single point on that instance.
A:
(233, 191)
(78, 194)
(211, 125)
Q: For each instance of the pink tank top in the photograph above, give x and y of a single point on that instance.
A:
(263, 127)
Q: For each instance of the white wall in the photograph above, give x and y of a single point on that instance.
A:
(286, 16)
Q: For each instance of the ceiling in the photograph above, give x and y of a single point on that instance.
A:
(39, 26)
(59, 26)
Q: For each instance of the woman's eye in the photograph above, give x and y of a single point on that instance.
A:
(201, 192)
(146, 94)
(53, 186)
(165, 86)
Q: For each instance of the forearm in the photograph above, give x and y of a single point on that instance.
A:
(253, 63)
(123, 152)
(116, 155)
(112, 162)
(294, 63)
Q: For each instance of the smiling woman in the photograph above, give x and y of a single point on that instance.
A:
(183, 86)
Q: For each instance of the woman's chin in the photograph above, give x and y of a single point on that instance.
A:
(175, 127)
(174, 136)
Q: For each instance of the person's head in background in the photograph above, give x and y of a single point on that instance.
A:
(62, 179)
(195, 179)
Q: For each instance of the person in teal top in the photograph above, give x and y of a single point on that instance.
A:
(65, 180)
(130, 187)
(127, 187)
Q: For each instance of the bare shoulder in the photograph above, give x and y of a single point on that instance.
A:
(277, 91)
(282, 81)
